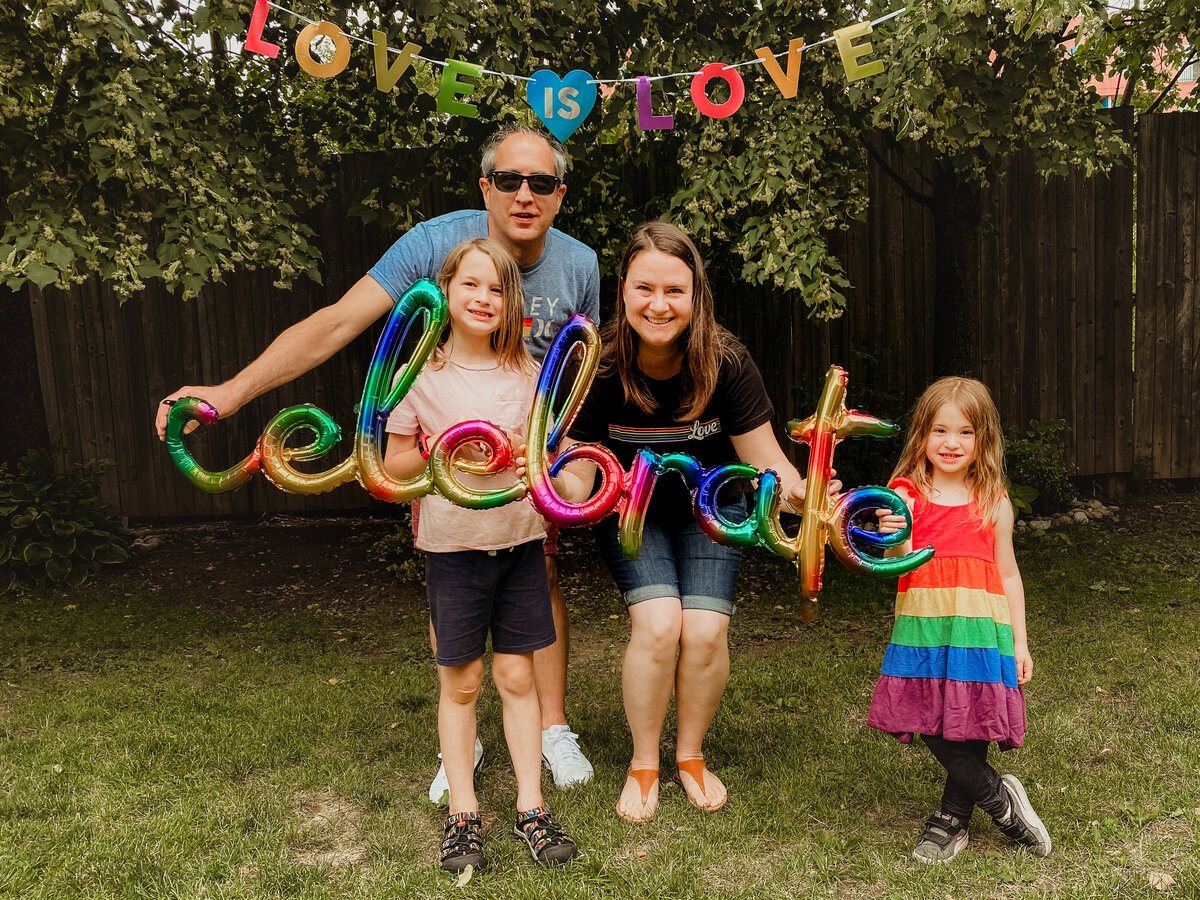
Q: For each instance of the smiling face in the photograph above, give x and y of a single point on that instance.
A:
(521, 219)
(657, 292)
(950, 447)
(475, 298)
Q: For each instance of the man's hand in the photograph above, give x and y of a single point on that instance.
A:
(220, 397)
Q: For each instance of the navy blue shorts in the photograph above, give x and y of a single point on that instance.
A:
(681, 563)
(473, 592)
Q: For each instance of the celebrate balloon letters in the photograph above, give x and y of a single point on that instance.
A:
(627, 493)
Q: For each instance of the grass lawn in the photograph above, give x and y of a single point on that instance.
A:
(161, 737)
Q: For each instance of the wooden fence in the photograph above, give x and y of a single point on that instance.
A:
(1056, 317)
(1056, 337)
(1166, 421)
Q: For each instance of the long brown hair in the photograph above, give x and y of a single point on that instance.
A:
(508, 340)
(705, 343)
(985, 474)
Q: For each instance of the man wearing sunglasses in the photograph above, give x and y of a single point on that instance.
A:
(522, 183)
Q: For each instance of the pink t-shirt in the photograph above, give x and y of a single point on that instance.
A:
(455, 393)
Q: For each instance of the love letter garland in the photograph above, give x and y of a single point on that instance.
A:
(564, 102)
(627, 493)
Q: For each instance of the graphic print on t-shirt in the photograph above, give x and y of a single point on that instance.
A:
(688, 431)
(541, 320)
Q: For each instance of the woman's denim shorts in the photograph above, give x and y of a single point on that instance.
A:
(681, 563)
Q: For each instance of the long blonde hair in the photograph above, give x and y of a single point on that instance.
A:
(705, 343)
(985, 475)
(508, 340)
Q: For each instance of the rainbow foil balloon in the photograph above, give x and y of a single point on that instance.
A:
(824, 519)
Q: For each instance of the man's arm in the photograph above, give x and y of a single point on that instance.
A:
(300, 348)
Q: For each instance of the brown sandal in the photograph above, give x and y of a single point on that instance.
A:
(695, 768)
(646, 779)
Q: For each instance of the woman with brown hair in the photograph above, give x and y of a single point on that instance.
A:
(674, 381)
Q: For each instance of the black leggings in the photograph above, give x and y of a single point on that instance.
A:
(970, 781)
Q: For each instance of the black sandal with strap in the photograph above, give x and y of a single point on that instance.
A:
(546, 839)
(462, 843)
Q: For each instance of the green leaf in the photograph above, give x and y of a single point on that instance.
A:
(57, 569)
(63, 546)
(60, 256)
(40, 274)
(36, 553)
(112, 554)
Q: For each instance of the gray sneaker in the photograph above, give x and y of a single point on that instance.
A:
(439, 790)
(944, 837)
(1021, 823)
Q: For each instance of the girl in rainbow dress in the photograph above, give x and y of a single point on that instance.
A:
(959, 654)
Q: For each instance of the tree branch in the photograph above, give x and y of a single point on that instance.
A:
(909, 191)
(1159, 99)
(1127, 96)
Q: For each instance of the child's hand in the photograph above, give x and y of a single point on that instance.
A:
(889, 522)
(1024, 663)
(517, 441)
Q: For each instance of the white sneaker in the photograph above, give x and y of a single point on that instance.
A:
(439, 790)
(562, 756)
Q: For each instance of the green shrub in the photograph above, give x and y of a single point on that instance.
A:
(57, 529)
(397, 553)
(1038, 470)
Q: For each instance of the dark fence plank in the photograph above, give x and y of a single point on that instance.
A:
(1166, 370)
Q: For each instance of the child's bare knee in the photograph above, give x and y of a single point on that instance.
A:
(465, 695)
(513, 673)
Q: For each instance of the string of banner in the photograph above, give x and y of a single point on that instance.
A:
(564, 102)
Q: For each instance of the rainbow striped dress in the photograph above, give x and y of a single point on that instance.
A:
(949, 669)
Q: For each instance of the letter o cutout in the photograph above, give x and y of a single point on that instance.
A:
(737, 91)
(341, 50)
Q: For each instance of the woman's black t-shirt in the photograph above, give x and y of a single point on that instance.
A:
(738, 405)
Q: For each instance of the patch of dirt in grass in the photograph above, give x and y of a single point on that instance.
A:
(283, 561)
(331, 824)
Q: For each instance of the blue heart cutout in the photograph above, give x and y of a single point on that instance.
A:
(561, 103)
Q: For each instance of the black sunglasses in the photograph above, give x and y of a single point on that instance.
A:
(510, 182)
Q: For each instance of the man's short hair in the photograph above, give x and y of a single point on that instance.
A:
(488, 163)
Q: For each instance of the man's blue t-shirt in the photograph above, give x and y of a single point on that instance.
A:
(565, 281)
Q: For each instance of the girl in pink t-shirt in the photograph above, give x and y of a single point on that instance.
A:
(484, 569)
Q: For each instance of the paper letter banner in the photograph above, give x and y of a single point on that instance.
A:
(851, 52)
(451, 87)
(737, 91)
(647, 121)
(254, 42)
(386, 76)
(788, 83)
(561, 103)
(341, 50)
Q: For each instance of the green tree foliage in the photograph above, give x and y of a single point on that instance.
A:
(134, 144)
(1148, 45)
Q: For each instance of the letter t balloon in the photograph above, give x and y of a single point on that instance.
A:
(823, 514)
